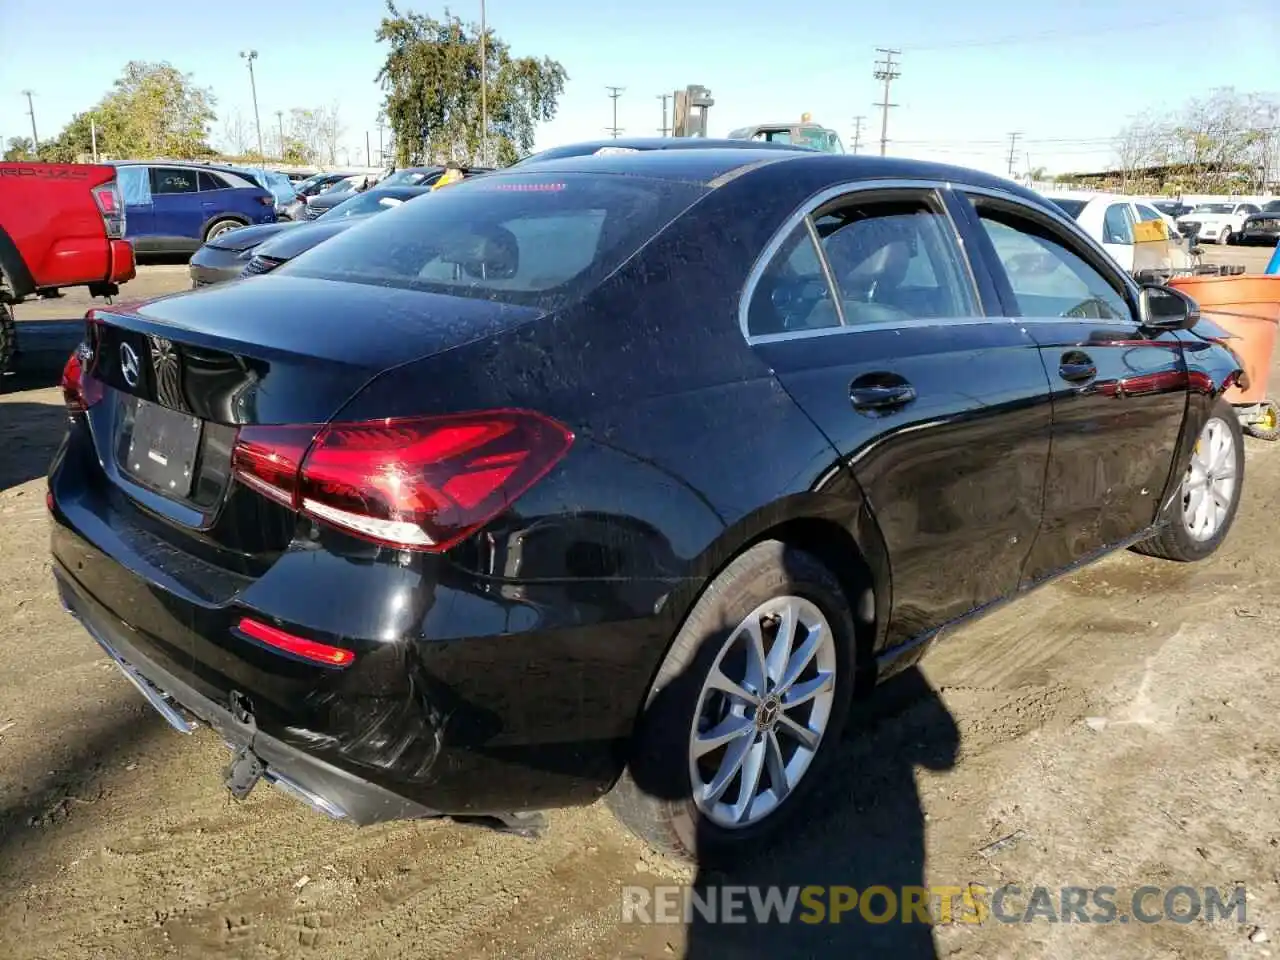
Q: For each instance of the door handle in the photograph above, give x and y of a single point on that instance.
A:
(1077, 367)
(881, 396)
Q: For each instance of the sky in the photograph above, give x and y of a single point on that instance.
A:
(1065, 77)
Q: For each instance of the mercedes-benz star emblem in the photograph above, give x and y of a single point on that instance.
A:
(129, 365)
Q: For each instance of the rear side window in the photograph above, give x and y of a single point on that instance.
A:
(890, 261)
(1146, 213)
(538, 240)
(1117, 225)
(211, 181)
(165, 180)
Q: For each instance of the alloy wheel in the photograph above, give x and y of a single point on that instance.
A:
(1209, 486)
(762, 712)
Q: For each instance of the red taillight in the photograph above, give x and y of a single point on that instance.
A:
(80, 389)
(268, 201)
(111, 206)
(420, 484)
(296, 646)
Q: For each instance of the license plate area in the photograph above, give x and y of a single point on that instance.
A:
(158, 447)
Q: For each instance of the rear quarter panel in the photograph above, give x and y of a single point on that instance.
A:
(51, 233)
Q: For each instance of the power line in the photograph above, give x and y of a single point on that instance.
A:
(614, 94)
(31, 111)
(664, 97)
(857, 131)
(886, 71)
(1013, 145)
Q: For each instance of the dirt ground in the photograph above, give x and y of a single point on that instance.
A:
(1118, 727)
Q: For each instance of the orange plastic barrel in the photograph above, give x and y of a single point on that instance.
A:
(1249, 307)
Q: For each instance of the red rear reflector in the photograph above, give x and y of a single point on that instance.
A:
(419, 483)
(299, 647)
(80, 390)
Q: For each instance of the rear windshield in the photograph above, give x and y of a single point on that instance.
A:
(1071, 208)
(539, 240)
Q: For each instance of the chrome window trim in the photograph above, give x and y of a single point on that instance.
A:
(816, 201)
(833, 288)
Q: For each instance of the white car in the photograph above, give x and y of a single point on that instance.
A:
(1216, 222)
(1110, 219)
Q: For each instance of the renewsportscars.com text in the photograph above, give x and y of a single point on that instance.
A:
(973, 903)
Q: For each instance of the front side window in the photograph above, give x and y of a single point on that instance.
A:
(889, 260)
(166, 180)
(1146, 213)
(1047, 277)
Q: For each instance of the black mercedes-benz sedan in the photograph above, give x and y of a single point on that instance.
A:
(1262, 228)
(620, 474)
(257, 249)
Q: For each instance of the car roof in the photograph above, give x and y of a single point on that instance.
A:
(706, 166)
(681, 144)
(186, 165)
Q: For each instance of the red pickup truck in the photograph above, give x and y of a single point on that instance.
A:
(61, 225)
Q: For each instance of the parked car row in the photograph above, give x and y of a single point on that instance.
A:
(622, 472)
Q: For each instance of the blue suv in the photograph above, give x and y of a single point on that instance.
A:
(177, 207)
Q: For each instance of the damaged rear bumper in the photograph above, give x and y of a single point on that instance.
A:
(322, 786)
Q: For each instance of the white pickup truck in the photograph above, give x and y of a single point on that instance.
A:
(1216, 222)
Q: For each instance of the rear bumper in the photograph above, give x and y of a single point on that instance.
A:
(123, 265)
(321, 785)
(468, 696)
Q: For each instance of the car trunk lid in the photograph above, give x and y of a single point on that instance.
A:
(177, 379)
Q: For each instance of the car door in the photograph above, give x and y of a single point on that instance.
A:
(1119, 391)
(1117, 233)
(866, 311)
(179, 216)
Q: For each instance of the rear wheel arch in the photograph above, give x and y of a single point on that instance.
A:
(16, 281)
(221, 218)
(859, 563)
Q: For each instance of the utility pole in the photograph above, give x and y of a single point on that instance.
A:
(484, 92)
(857, 131)
(664, 97)
(887, 71)
(31, 111)
(382, 154)
(249, 57)
(367, 160)
(614, 94)
(1013, 145)
(280, 121)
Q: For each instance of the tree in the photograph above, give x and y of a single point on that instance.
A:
(236, 135)
(1223, 142)
(431, 78)
(20, 148)
(153, 110)
(330, 131)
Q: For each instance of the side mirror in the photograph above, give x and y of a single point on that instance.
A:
(1164, 308)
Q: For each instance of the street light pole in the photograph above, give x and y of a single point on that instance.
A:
(249, 57)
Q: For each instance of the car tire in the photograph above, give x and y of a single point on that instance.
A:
(1224, 238)
(8, 338)
(654, 797)
(219, 227)
(1181, 537)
